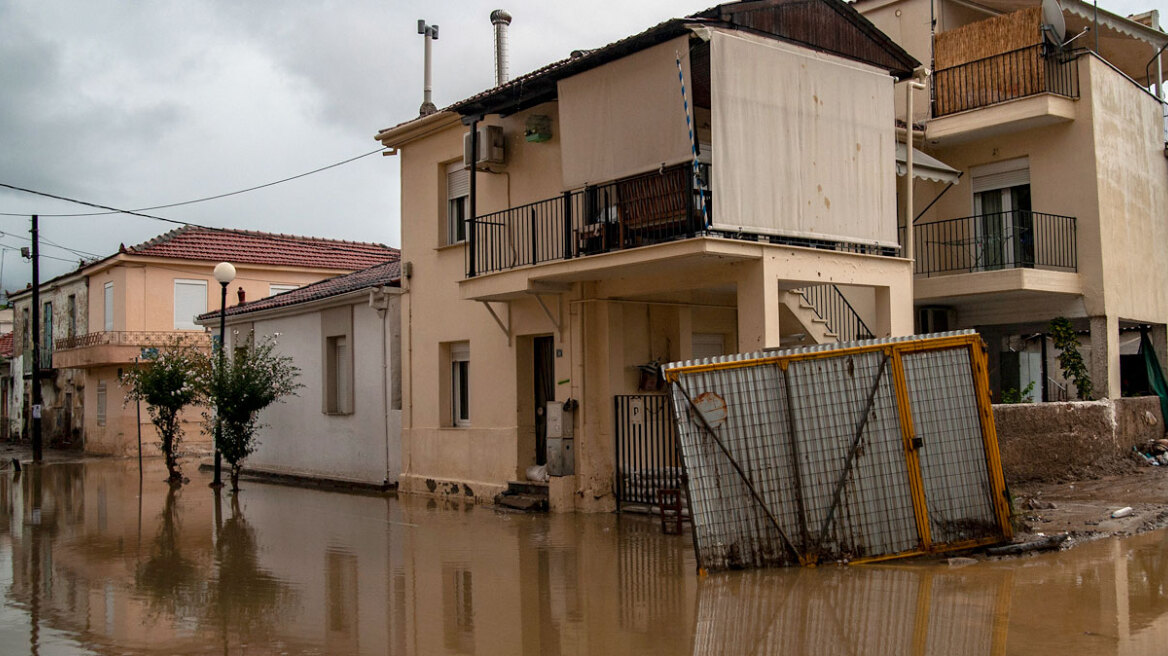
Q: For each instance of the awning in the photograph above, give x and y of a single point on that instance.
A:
(926, 167)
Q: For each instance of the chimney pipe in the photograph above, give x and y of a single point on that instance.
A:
(429, 33)
(501, 19)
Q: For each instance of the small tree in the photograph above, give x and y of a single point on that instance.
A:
(1070, 360)
(238, 388)
(167, 382)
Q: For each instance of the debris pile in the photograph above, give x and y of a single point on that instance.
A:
(1153, 453)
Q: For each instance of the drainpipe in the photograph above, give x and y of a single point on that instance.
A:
(917, 82)
(380, 302)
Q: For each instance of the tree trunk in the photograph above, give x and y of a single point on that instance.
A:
(235, 469)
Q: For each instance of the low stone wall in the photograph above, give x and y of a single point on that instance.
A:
(1058, 441)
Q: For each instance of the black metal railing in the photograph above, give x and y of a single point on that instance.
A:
(1002, 240)
(831, 306)
(647, 459)
(1016, 74)
(637, 211)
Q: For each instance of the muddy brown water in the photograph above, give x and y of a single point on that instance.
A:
(89, 566)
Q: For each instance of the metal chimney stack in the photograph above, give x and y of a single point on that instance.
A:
(501, 19)
(429, 33)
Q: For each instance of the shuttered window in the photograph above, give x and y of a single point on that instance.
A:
(1001, 175)
(108, 307)
(457, 202)
(190, 300)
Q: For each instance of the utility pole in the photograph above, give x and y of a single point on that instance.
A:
(37, 448)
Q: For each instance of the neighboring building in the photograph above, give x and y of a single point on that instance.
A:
(63, 317)
(344, 334)
(6, 395)
(148, 296)
(1062, 209)
(583, 247)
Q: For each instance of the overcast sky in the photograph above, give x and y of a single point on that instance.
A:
(136, 104)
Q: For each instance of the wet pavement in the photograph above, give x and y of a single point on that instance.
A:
(89, 565)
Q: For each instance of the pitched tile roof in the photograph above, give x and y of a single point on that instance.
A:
(6, 345)
(251, 247)
(386, 273)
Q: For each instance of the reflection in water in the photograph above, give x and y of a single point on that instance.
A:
(91, 563)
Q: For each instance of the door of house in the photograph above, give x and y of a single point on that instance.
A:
(545, 391)
(1003, 223)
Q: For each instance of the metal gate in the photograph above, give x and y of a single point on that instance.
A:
(857, 452)
(646, 448)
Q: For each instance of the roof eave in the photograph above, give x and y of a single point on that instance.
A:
(399, 135)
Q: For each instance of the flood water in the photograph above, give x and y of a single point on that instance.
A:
(89, 566)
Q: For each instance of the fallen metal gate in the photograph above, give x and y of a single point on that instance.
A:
(646, 448)
(857, 452)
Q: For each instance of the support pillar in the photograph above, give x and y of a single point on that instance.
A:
(1159, 337)
(758, 307)
(1104, 365)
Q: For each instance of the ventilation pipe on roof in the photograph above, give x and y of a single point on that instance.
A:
(501, 19)
(429, 33)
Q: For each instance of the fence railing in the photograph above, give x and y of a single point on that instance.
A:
(831, 306)
(636, 211)
(647, 459)
(1002, 240)
(149, 338)
(1016, 74)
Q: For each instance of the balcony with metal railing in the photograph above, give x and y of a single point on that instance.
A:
(646, 209)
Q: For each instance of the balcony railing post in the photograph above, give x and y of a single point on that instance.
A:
(567, 225)
(534, 240)
(690, 189)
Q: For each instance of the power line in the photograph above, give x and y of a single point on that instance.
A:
(321, 243)
(206, 198)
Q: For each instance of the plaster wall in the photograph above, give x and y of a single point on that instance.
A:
(298, 437)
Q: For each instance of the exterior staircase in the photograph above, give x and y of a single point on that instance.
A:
(528, 496)
(819, 314)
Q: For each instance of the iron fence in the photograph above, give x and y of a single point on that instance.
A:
(646, 448)
(833, 307)
(637, 211)
(1001, 240)
(1007, 76)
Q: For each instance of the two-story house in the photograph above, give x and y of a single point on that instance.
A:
(148, 296)
(596, 234)
(1050, 111)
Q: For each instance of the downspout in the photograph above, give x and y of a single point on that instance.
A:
(380, 302)
(910, 85)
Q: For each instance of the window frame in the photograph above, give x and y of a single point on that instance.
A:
(108, 306)
(280, 288)
(457, 196)
(460, 384)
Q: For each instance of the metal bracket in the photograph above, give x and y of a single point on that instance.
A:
(556, 320)
(505, 327)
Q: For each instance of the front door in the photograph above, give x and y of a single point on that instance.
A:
(545, 391)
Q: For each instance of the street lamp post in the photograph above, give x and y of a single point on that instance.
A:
(224, 273)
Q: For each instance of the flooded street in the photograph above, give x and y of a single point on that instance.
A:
(88, 566)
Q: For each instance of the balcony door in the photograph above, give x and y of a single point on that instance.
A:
(1003, 223)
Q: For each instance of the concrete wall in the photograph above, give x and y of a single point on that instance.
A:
(297, 437)
(1055, 441)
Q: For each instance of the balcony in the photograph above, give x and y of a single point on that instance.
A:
(1021, 89)
(1019, 250)
(120, 346)
(638, 211)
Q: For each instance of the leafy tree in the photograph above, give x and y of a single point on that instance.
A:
(167, 382)
(238, 388)
(1066, 340)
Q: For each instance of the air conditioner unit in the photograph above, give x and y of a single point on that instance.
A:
(936, 319)
(490, 146)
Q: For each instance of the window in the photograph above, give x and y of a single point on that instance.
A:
(101, 403)
(457, 202)
(190, 300)
(72, 305)
(1003, 223)
(109, 306)
(25, 338)
(274, 289)
(336, 328)
(460, 384)
(47, 333)
(339, 376)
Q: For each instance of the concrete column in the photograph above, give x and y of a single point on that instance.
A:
(1104, 365)
(882, 325)
(758, 307)
(604, 374)
(1159, 337)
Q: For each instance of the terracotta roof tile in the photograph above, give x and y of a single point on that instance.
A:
(6, 345)
(386, 273)
(251, 247)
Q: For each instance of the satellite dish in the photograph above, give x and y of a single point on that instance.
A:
(1054, 26)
